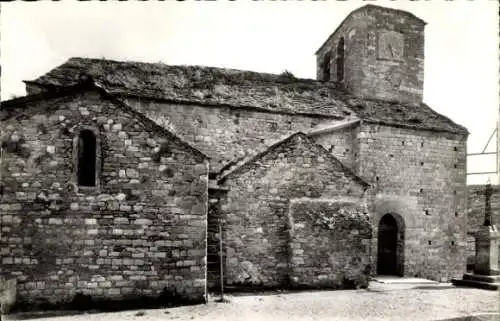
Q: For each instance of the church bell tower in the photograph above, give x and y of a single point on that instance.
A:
(376, 53)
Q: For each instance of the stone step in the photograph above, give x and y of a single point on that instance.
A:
(482, 278)
(476, 284)
(401, 280)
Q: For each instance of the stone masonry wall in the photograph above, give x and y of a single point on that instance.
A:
(342, 144)
(256, 235)
(475, 214)
(141, 232)
(368, 73)
(476, 206)
(330, 244)
(227, 134)
(420, 176)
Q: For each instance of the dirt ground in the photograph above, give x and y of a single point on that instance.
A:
(379, 302)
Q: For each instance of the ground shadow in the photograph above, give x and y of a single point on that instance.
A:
(431, 287)
(477, 317)
(85, 304)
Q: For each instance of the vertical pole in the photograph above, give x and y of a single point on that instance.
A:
(487, 205)
(498, 151)
(221, 264)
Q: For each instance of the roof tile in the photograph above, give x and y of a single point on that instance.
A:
(243, 89)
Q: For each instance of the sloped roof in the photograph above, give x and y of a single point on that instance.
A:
(12, 108)
(291, 139)
(369, 7)
(241, 89)
(396, 114)
(202, 85)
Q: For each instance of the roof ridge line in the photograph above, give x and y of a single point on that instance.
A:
(282, 141)
(146, 119)
(258, 155)
(194, 66)
(334, 127)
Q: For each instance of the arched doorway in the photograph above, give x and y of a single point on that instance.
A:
(390, 257)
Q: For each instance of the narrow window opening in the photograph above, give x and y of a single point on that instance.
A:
(340, 60)
(326, 66)
(427, 212)
(421, 163)
(452, 242)
(430, 242)
(86, 158)
(376, 178)
(421, 190)
(455, 148)
(422, 144)
(456, 214)
(402, 143)
(236, 120)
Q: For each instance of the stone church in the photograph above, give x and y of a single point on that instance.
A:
(119, 179)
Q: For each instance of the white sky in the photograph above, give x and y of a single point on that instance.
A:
(461, 67)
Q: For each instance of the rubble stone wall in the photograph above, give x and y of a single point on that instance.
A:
(476, 211)
(329, 244)
(229, 134)
(140, 232)
(476, 206)
(256, 208)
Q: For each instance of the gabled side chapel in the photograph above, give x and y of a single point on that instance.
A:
(116, 176)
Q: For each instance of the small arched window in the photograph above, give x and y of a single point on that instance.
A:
(87, 154)
(340, 60)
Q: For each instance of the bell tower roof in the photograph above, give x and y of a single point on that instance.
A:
(371, 7)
